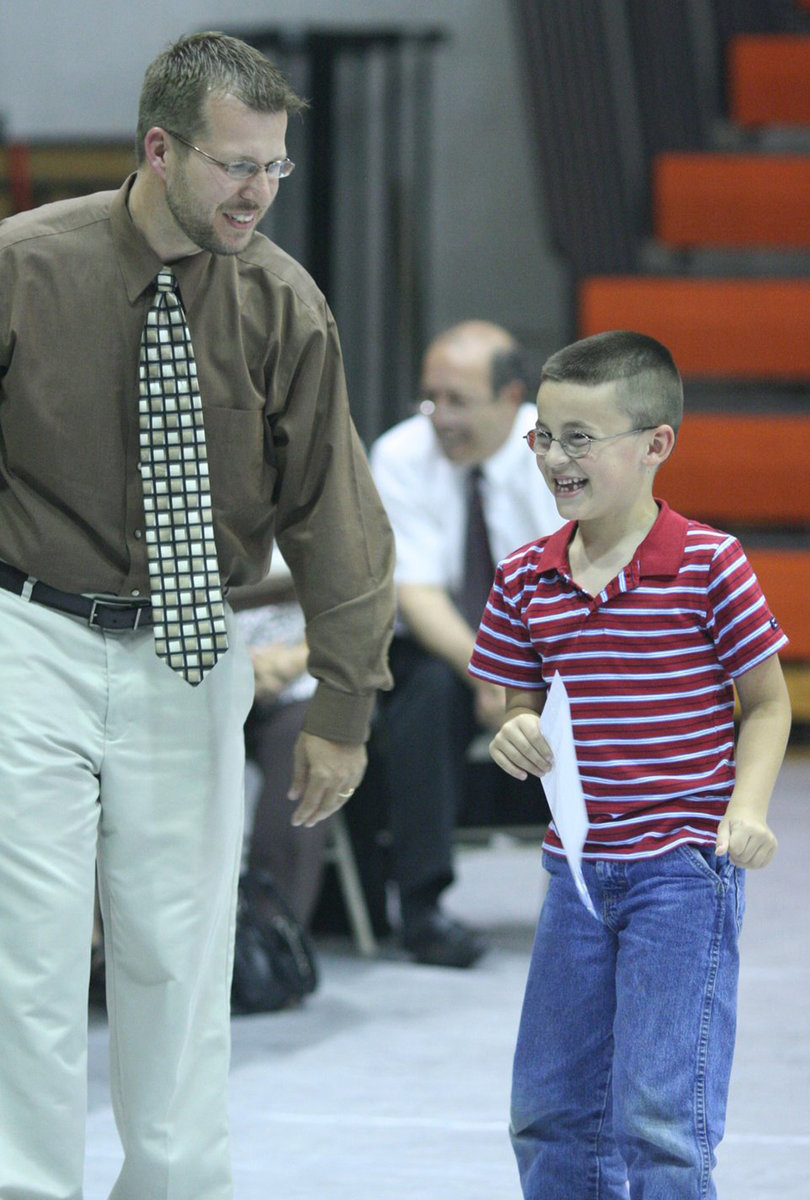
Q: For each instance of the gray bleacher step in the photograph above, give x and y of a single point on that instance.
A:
(749, 262)
(747, 397)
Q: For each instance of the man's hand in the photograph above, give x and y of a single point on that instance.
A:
(324, 776)
(749, 842)
(275, 665)
(519, 747)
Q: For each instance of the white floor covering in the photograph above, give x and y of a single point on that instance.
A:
(391, 1082)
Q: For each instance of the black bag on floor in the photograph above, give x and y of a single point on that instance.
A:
(274, 961)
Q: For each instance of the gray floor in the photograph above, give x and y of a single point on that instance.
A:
(392, 1081)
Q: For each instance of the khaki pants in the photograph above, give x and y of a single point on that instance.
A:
(105, 751)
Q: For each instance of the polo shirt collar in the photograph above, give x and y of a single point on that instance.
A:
(138, 261)
(498, 465)
(660, 554)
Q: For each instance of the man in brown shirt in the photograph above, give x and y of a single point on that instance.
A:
(103, 747)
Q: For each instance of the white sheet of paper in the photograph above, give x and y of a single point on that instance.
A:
(562, 784)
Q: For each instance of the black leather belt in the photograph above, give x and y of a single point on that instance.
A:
(110, 614)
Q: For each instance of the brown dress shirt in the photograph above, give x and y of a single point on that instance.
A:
(76, 280)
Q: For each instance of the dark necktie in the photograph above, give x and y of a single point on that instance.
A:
(187, 605)
(479, 568)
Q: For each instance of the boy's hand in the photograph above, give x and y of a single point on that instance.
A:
(520, 749)
(748, 842)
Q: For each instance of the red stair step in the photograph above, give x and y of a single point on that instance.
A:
(769, 79)
(732, 199)
(715, 328)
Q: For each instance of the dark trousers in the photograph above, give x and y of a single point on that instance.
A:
(292, 855)
(419, 762)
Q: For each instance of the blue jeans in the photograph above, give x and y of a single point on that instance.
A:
(626, 1038)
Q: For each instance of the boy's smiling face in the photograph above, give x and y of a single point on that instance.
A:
(615, 476)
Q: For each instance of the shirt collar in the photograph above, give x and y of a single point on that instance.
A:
(138, 261)
(500, 465)
(660, 554)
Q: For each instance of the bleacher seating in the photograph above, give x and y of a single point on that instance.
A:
(740, 470)
(785, 579)
(39, 172)
(768, 79)
(732, 199)
(715, 328)
(748, 474)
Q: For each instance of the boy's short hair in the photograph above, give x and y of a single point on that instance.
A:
(178, 82)
(650, 389)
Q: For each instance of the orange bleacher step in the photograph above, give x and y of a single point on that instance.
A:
(768, 79)
(734, 469)
(726, 328)
(732, 199)
(784, 577)
(797, 678)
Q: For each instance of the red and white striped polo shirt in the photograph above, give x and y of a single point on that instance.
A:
(647, 664)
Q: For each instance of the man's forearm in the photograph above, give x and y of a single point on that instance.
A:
(437, 625)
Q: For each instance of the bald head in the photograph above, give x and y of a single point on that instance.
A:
(479, 342)
(473, 376)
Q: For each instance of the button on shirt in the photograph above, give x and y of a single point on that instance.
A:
(424, 496)
(76, 280)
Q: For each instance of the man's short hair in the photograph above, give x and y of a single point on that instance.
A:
(650, 391)
(178, 82)
(508, 366)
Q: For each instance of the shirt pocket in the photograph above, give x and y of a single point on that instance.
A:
(241, 460)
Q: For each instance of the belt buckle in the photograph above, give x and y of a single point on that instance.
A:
(97, 604)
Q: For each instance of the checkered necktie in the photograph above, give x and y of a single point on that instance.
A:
(187, 605)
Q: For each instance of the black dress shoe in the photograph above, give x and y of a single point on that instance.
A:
(439, 941)
(98, 978)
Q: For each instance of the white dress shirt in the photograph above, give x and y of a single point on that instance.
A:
(424, 496)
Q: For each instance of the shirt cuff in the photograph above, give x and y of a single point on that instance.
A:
(339, 716)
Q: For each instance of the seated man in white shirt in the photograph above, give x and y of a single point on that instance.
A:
(473, 415)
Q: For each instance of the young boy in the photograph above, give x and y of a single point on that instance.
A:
(625, 1044)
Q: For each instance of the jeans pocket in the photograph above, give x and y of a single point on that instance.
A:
(704, 860)
(723, 871)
